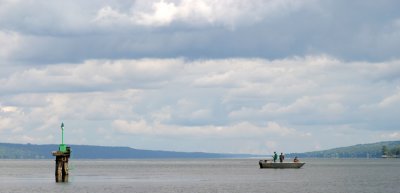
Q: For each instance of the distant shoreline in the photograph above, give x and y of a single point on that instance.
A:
(32, 151)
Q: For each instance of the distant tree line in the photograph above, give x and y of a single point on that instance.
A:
(31, 151)
(391, 151)
(372, 150)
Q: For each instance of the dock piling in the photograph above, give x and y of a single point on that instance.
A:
(62, 170)
(62, 156)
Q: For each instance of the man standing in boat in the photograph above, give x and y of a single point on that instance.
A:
(275, 156)
(281, 157)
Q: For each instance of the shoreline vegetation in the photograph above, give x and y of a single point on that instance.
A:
(33, 151)
(388, 149)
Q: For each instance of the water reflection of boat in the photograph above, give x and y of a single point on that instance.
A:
(271, 164)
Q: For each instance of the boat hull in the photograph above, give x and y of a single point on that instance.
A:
(267, 164)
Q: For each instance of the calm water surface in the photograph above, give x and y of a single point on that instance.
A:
(203, 175)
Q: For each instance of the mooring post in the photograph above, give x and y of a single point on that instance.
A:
(62, 165)
(62, 157)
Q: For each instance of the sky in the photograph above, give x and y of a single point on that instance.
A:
(223, 76)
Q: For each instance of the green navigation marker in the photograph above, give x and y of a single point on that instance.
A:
(62, 147)
(62, 133)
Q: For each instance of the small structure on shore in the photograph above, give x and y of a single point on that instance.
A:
(62, 156)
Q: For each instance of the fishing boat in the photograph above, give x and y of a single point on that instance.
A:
(271, 164)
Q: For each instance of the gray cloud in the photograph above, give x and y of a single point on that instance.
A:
(74, 31)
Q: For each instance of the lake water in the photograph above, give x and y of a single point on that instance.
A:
(203, 175)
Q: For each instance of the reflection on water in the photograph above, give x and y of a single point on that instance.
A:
(204, 175)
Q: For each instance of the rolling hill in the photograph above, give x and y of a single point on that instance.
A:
(31, 151)
(372, 150)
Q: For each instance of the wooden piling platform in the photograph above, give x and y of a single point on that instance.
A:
(61, 170)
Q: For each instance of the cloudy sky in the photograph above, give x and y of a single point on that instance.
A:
(232, 76)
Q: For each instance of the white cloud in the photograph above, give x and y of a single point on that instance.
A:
(289, 101)
(108, 15)
(271, 145)
(394, 135)
(389, 101)
(9, 109)
(164, 13)
(321, 86)
(11, 118)
(214, 80)
(9, 43)
(96, 73)
(243, 129)
(393, 100)
(198, 12)
(329, 106)
(23, 138)
(162, 115)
